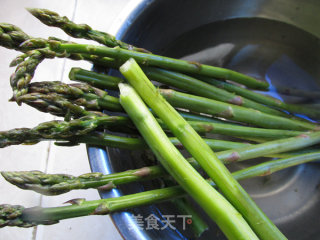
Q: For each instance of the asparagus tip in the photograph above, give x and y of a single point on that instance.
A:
(31, 10)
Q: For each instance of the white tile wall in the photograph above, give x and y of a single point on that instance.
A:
(45, 156)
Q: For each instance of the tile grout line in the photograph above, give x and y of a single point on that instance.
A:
(35, 229)
(65, 60)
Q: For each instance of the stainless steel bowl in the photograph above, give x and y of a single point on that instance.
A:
(275, 40)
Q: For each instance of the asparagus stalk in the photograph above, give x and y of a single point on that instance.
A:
(19, 136)
(95, 99)
(55, 184)
(237, 113)
(98, 80)
(41, 43)
(120, 54)
(269, 101)
(198, 225)
(51, 18)
(218, 208)
(84, 31)
(58, 130)
(28, 217)
(103, 81)
(247, 151)
(82, 130)
(200, 88)
(181, 81)
(241, 131)
(72, 133)
(233, 191)
(108, 82)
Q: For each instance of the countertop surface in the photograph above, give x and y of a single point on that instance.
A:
(45, 156)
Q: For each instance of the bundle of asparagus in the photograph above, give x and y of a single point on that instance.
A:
(199, 101)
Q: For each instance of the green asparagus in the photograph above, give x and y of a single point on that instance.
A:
(215, 205)
(237, 113)
(15, 215)
(201, 152)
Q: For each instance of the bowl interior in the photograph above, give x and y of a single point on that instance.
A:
(276, 43)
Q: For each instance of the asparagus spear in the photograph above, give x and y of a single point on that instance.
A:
(178, 80)
(55, 104)
(84, 31)
(201, 152)
(81, 94)
(11, 36)
(241, 131)
(35, 51)
(27, 217)
(200, 88)
(120, 54)
(269, 101)
(245, 152)
(25, 71)
(98, 80)
(95, 99)
(82, 130)
(217, 207)
(58, 130)
(72, 133)
(237, 113)
(104, 81)
(41, 43)
(54, 184)
(198, 225)
(181, 81)
(132, 143)
(51, 18)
